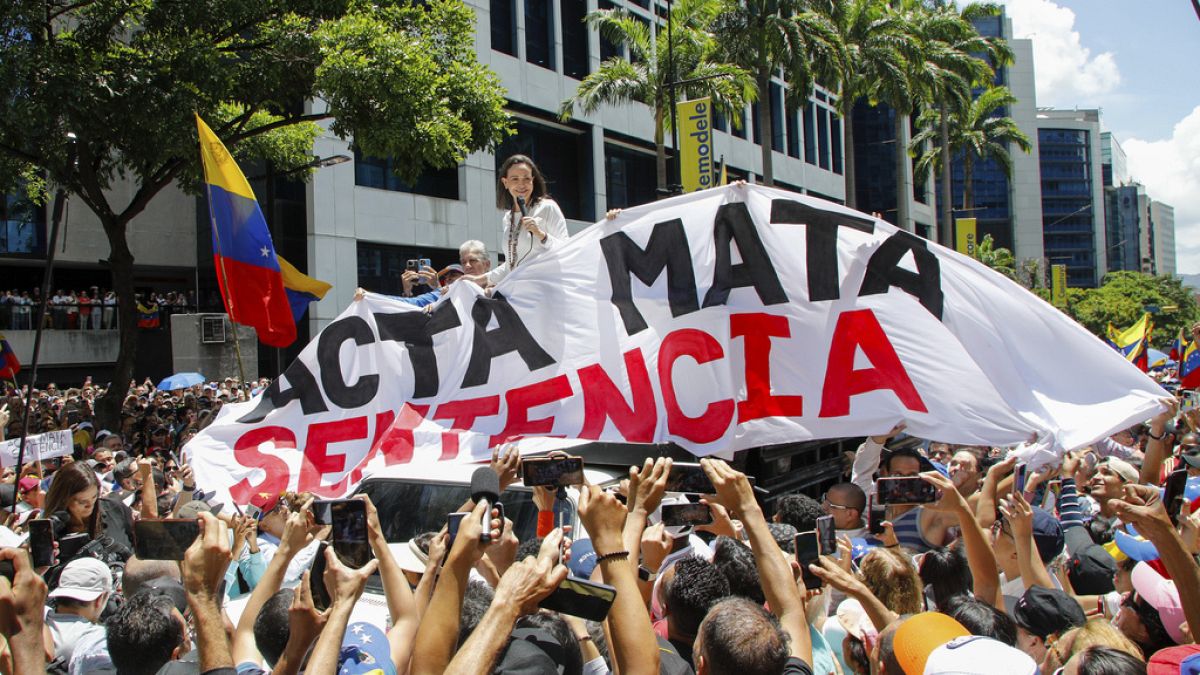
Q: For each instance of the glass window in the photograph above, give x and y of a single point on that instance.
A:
(823, 137)
(754, 124)
(810, 134)
(739, 130)
(835, 137)
(776, 118)
(539, 33)
(380, 266)
(504, 26)
(574, 40)
(22, 225)
(409, 508)
(793, 133)
(631, 177)
(375, 172)
(608, 49)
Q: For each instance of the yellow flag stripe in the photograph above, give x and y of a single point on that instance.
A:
(296, 280)
(220, 169)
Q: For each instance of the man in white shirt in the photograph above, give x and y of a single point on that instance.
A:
(82, 593)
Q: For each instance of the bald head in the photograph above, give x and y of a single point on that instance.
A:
(139, 572)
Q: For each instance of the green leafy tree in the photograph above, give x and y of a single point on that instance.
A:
(955, 64)
(645, 77)
(875, 46)
(126, 76)
(979, 133)
(768, 36)
(996, 257)
(1122, 298)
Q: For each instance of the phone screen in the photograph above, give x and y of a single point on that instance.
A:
(578, 597)
(164, 539)
(316, 580)
(41, 542)
(826, 535)
(349, 520)
(321, 511)
(674, 515)
(686, 477)
(1173, 493)
(552, 471)
(905, 490)
(1019, 475)
(452, 522)
(808, 552)
(876, 514)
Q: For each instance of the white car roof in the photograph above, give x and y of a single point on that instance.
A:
(449, 472)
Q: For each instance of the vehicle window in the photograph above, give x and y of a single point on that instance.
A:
(409, 509)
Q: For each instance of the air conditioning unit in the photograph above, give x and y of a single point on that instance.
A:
(212, 329)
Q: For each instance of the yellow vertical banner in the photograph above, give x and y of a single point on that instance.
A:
(695, 144)
(964, 229)
(1058, 285)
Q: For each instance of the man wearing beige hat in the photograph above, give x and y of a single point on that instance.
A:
(83, 590)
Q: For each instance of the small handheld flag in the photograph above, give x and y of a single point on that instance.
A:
(9, 365)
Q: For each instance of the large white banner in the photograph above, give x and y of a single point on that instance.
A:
(37, 447)
(725, 319)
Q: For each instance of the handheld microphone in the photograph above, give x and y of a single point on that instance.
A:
(485, 484)
(521, 205)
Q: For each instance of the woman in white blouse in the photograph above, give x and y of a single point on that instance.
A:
(533, 222)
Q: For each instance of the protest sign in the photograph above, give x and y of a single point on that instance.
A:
(37, 447)
(724, 319)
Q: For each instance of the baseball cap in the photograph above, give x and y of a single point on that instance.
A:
(1181, 660)
(583, 558)
(920, 636)
(1162, 595)
(193, 509)
(1122, 468)
(532, 651)
(266, 502)
(1091, 570)
(409, 556)
(1135, 546)
(448, 269)
(365, 650)
(83, 579)
(1047, 534)
(976, 654)
(27, 484)
(1192, 457)
(1047, 611)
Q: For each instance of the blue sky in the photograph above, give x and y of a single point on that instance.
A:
(1139, 61)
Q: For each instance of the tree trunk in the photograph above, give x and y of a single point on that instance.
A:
(904, 188)
(968, 189)
(660, 148)
(120, 259)
(767, 127)
(848, 151)
(947, 202)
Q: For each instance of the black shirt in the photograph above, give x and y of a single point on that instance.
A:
(795, 666)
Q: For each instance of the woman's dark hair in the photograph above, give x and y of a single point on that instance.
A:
(504, 200)
(1108, 661)
(981, 618)
(68, 482)
(1157, 632)
(947, 574)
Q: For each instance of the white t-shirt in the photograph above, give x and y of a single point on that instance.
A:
(68, 630)
(550, 220)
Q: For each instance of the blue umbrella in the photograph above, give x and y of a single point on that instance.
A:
(181, 381)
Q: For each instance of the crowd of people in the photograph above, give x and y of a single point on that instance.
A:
(91, 309)
(1084, 566)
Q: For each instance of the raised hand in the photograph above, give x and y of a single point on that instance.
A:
(529, 581)
(304, 621)
(733, 488)
(506, 463)
(648, 485)
(207, 559)
(603, 517)
(345, 584)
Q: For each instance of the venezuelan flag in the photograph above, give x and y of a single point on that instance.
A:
(9, 365)
(1134, 342)
(248, 270)
(1179, 346)
(1189, 367)
(301, 289)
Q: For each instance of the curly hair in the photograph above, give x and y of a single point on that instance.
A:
(893, 579)
(697, 586)
(799, 511)
(736, 562)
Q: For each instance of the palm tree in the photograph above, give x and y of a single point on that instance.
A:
(996, 257)
(874, 47)
(949, 37)
(764, 36)
(979, 133)
(645, 77)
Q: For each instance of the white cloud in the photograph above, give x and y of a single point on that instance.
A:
(1068, 74)
(1170, 170)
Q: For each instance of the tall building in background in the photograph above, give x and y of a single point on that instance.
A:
(1121, 224)
(1008, 208)
(1073, 224)
(875, 148)
(1162, 219)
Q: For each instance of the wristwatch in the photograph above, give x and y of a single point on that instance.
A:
(646, 574)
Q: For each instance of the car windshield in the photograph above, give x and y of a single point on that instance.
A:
(407, 509)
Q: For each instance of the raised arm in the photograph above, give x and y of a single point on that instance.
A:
(980, 556)
(149, 506)
(985, 508)
(345, 586)
(1157, 450)
(523, 586)
(22, 603)
(778, 584)
(295, 537)
(438, 632)
(204, 566)
(633, 647)
(1019, 515)
(402, 606)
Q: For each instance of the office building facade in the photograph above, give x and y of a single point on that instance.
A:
(1162, 224)
(1073, 224)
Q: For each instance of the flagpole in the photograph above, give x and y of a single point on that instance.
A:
(237, 343)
